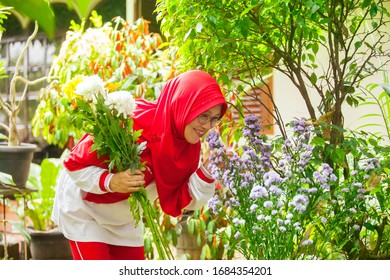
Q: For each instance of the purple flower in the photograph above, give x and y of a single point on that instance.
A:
(300, 202)
(215, 204)
(258, 191)
(253, 207)
(271, 178)
(268, 204)
(214, 140)
(252, 128)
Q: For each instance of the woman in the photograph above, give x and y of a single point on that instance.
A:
(91, 206)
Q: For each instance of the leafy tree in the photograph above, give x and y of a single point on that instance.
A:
(245, 40)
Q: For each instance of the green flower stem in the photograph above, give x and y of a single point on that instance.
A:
(152, 221)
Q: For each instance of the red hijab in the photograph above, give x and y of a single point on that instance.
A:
(171, 158)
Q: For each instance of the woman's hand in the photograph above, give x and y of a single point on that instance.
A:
(127, 182)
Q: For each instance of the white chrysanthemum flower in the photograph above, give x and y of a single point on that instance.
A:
(121, 101)
(90, 87)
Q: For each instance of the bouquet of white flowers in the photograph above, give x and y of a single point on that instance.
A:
(108, 118)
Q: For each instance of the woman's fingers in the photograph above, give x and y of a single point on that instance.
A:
(127, 181)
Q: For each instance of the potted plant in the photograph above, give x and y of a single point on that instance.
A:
(15, 156)
(46, 241)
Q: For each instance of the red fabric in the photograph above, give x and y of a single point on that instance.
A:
(169, 157)
(203, 176)
(103, 251)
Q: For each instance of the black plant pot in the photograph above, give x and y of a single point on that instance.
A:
(49, 245)
(16, 161)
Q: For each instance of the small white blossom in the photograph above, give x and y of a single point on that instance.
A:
(268, 204)
(352, 210)
(121, 101)
(307, 242)
(297, 224)
(260, 217)
(90, 87)
(282, 229)
(253, 207)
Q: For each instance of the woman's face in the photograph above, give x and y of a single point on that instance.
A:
(196, 130)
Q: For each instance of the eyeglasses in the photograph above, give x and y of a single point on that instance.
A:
(204, 118)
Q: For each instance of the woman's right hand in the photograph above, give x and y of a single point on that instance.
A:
(127, 182)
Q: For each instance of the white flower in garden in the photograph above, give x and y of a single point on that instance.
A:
(93, 40)
(352, 210)
(282, 229)
(90, 87)
(260, 217)
(253, 207)
(121, 101)
(299, 202)
(307, 242)
(268, 204)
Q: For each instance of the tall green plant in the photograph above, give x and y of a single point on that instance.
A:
(38, 207)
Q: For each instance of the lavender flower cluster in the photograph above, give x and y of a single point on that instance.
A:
(284, 201)
(268, 191)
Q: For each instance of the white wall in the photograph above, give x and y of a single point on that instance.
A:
(291, 105)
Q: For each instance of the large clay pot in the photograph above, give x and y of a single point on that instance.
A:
(49, 245)
(16, 161)
(187, 245)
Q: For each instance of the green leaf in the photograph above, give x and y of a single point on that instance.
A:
(191, 226)
(366, 3)
(3, 137)
(373, 10)
(313, 78)
(386, 88)
(369, 226)
(6, 178)
(315, 47)
(38, 10)
(358, 44)
(190, 34)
